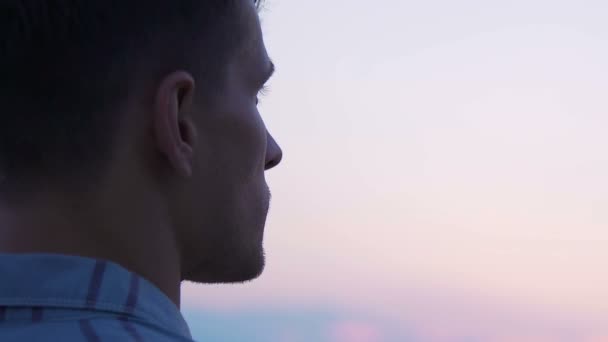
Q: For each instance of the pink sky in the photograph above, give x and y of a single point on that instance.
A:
(445, 165)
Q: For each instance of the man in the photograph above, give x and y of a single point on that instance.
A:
(132, 157)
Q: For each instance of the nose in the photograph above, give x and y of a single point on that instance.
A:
(274, 154)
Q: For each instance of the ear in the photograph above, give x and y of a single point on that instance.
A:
(175, 132)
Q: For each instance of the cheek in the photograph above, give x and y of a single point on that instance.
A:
(240, 144)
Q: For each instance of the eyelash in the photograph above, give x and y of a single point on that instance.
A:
(264, 91)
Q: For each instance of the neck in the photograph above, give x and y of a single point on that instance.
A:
(111, 226)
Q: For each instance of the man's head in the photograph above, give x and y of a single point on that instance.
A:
(156, 100)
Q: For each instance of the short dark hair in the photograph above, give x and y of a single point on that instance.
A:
(59, 61)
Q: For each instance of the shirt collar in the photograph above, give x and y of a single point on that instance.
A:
(62, 281)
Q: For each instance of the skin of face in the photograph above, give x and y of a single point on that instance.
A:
(219, 206)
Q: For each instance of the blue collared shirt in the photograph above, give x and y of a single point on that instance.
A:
(51, 297)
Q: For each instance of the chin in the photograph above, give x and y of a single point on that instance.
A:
(228, 270)
(235, 252)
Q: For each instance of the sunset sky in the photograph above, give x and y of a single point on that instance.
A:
(445, 176)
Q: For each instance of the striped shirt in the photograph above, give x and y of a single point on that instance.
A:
(51, 297)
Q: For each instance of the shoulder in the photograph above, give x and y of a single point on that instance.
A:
(93, 329)
(118, 329)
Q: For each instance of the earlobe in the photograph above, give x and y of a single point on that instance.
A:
(175, 133)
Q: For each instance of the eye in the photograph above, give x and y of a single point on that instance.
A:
(262, 93)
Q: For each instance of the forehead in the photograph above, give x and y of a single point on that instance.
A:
(252, 50)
